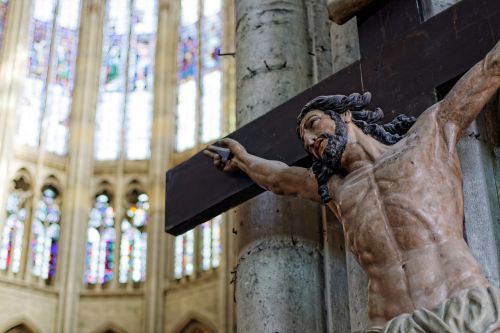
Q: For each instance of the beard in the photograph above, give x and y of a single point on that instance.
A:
(329, 163)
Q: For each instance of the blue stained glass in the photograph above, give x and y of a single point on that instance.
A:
(30, 108)
(212, 37)
(12, 234)
(101, 238)
(141, 61)
(65, 59)
(62, 77)
(45, 236)
(140, 100)
(40, 48)
(188, 52)
(114, 61)
(109, 117)
(133, 247)
(4, 5)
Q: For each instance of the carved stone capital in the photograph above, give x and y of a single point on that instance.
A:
(340, 11)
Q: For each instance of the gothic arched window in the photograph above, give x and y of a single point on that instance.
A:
(211, 246)
(133, 247)
(46, 98)
(206, 254)
(125, 107)
(45, 232)
(12, 234)
(184, 255)
(17, 209)
(101, 237)
(199, 73)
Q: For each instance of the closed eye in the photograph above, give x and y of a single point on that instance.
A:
(311, 121)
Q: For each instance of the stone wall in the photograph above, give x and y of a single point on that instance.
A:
(32, 306)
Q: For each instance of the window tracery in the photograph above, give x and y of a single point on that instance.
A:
(199, 73)
(16, 215)
(101, 238)
(45, 231)
(43, 113)
(133, 244)
(125, 106)
(208, 255)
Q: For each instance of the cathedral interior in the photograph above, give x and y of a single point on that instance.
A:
(98, 99)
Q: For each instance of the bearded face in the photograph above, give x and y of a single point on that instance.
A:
(329, 162)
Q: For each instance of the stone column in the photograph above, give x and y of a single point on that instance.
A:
(481, 195)
(345, 51)
(279, 279)
(78, 198)
(336, 282)
(14, 55)
(434, 7)
(163, 133)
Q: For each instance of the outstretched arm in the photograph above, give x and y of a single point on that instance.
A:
(274, 176)
(471, 93)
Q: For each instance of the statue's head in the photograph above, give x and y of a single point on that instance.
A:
(321, 126)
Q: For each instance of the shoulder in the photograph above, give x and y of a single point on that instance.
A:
(430, 127)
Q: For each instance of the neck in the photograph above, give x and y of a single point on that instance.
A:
(361, 149)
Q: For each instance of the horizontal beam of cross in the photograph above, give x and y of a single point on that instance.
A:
(402, 61)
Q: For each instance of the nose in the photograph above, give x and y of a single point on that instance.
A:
(309, 140)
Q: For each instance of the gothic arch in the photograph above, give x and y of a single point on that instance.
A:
(133, 187)
(195, 323)
(104, 186)
(109, 328)
(54, 182)
(24, 174)
(21, 325)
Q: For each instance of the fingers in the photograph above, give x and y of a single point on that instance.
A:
(209, 153)
(226, 142)
(218, 163)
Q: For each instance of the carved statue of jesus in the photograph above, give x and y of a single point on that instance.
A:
(398, 193)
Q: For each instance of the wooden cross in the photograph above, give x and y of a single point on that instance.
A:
(403, 60)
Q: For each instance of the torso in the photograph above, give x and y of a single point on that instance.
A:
(403, 219)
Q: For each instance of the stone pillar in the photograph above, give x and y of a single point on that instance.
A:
(14, 55)
(279, 279)
(345, 44)
(345, 51)
(434, 7)
(78, 198)
(481, 195)
(336, 282)
(163, 133)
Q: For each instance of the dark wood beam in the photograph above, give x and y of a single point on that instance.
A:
(402, 61)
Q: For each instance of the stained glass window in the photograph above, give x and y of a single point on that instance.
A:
(101, 237)
(209, 238)
(3, 18)
(47, 95)
(62, 76)
(211, 243)
(200, 37)
(45, 236)
(12, 234)
(133, 247)
(126, 97)
(184, 255)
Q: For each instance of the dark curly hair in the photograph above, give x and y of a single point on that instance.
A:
(366, 120)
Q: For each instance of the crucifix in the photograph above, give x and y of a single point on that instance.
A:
(403, 60)
(407, 236)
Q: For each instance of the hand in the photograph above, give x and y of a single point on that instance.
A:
(229, 165)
